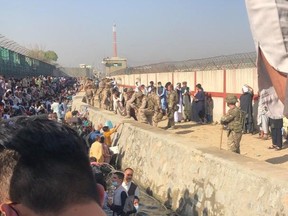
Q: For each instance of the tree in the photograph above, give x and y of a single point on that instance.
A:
(38, 52)
(50, 55)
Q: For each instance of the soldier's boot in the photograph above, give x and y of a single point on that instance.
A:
(155, 124)
(171, 128)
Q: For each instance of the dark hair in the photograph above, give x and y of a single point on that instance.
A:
(199, 86)
(105, 128)
(102, 139)
(167, 84)
(93, 159)
(119, 174)
(52, 170)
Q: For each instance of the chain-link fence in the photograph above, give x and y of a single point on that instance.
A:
(235, 61)
(14, 61)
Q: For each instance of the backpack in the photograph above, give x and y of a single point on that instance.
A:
(129, 202)
(129, 206)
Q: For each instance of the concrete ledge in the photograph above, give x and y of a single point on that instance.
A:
(191, 177)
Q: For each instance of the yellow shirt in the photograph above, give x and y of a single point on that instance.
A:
(96, 151)
(68, 116)
(107, 136)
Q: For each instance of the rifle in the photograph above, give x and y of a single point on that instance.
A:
(221, 137)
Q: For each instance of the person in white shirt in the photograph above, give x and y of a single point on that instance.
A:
(130, 187)
(56, 108)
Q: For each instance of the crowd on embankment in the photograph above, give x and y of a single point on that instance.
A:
(49, 98)
(36, 95)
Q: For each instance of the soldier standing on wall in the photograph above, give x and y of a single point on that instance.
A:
(234, 121)
(89, 94)
(106, 96)
(100, 91)
(172, 99)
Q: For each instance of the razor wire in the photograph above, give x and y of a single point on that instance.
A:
(235, 61)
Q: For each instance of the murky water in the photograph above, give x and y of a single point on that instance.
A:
(149, 206)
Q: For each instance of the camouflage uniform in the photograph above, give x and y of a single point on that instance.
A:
(99, 94)
(150, 111)
(89, 94)
(96, 95)
(106, 97)
(127, 95)
(172, 99)
(134, 103)
(233, 120)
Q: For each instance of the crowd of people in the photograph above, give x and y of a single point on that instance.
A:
(148, 104)
(48, 98)
(36, 96)
(37, 102)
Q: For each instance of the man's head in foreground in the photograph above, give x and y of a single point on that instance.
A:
(45, 170)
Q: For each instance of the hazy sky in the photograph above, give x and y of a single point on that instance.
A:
(148, 31)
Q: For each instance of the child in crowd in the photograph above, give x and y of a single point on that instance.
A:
(107, 132)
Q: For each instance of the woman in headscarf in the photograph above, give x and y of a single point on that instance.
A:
(198, 105)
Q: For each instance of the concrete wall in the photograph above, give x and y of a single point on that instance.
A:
(195, 179)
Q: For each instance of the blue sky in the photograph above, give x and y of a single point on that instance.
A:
(148, 31)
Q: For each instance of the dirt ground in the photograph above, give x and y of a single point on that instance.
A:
(250, 146)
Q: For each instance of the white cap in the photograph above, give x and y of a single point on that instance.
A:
(245, 89)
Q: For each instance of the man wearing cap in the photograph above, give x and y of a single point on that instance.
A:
(233, 120)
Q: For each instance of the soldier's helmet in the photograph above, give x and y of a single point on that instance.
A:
(101, 84)
(130, 89)
(231, 99)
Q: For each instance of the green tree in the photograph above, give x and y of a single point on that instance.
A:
(50, 55)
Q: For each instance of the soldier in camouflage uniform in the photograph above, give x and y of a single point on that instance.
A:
(96, 94)
(99, 94)
(127, 94)
(89, 93)
(233, 120)
(172, 99)
(135, 102)
(150, 111)
(106, 96)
